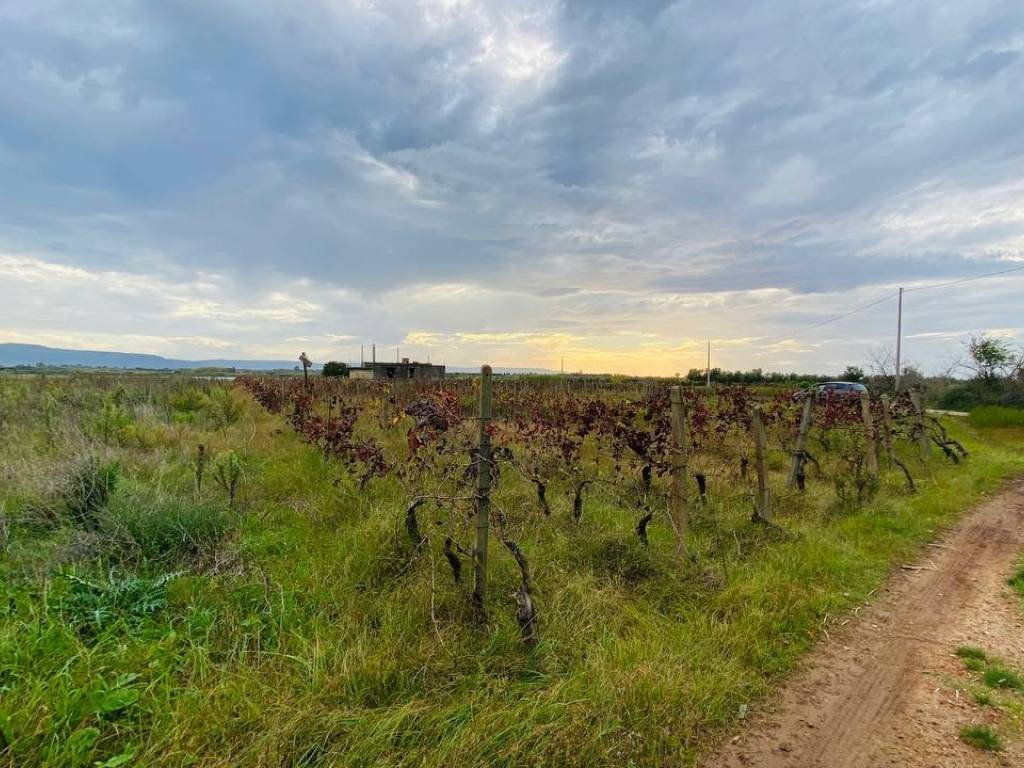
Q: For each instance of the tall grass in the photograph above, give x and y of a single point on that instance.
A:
(315, 638)
(996, 416)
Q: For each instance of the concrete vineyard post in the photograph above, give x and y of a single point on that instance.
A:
(483, 491)
(870, 444)
(801, 440)
(920, 433)
(761, 462)
(679, 461)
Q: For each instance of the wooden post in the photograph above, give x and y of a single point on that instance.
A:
(870, 444)
(801, 440)
(483, 491)
(920, 433)
(887, 428)
(760, 451)
(679, 460)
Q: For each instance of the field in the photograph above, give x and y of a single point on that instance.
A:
(269, 572)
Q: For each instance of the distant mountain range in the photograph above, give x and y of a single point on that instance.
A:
(36, 354)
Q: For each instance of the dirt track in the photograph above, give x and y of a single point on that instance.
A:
(886, 689)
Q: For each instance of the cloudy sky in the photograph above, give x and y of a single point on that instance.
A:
(611, 181)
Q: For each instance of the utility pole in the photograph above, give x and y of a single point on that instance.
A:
(709, 364)
(899, 339)
(362, 354)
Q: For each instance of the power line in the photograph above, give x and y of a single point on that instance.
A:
(884, 299)
(964, 279)
(835, 319)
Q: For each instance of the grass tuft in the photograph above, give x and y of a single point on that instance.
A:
(997, 676)
(981, 737)
(970, 652)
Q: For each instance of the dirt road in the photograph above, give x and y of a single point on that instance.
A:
(886, 689)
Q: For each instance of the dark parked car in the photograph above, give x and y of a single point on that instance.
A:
(838, 389)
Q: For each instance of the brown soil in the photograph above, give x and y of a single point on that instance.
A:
(886, 689)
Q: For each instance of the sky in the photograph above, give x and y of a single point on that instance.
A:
(610, 183)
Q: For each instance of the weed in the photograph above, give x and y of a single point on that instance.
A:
(970, 652)
(981, 737)
(91, 606)
(982, 697)
(997, 676)
(227, 471)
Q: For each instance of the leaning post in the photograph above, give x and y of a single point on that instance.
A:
(679, 461)
(761, 461)
(799, 453)
(482, 499)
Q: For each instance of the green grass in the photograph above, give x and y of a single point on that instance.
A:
(998, 676)
(996, 416)
(970, 652)
(297, 630)
(981, 737)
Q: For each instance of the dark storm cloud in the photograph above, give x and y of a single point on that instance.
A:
(659, 146)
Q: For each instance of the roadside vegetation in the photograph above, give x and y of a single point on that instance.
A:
(188, 577)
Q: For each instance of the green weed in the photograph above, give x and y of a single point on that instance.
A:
(981, 737)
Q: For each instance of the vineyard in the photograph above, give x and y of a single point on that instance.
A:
(480, 571)
(464, 454)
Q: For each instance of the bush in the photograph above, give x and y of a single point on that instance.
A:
(164, 529)
(87, 491)
(222, 408)
(958, 398)
(334, 368)
(997, 416)
(186, 404)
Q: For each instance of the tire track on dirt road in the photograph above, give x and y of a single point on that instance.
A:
(883, 691)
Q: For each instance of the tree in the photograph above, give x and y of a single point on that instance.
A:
(334, 368)
(852, 373)
(990, 359)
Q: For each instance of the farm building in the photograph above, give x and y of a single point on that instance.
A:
(406, 369)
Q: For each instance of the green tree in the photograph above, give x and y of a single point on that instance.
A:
(990, 358)
(852, 373)
(334, 368)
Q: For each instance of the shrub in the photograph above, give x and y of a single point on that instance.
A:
(164, 529)
(186, 404)
(87, 491)
(113, 418)
(222, 408)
